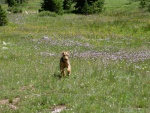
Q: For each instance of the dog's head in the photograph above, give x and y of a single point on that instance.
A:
(65, 56)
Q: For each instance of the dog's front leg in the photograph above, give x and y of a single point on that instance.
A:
(62, 72)
(68, 71)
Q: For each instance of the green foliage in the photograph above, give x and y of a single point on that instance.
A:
(86, 8)
(142, 3)
(89, 6)
(98, 6)
(12, 3)
(15, 9)
(52, 5)
(3, 17)
(68, 5)
(15, 5)
(79, 6)
(148, 7)
(145, 4)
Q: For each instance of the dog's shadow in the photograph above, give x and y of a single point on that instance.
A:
(57, 75)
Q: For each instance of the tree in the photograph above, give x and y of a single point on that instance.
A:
(12, 3)
(3, 17)
(89, 6)
(52, 5)
(145, 4)
(79, 5)
(68, 5)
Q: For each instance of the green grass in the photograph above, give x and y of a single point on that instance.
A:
(110, 58)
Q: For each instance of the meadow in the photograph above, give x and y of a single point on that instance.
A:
(109, 54)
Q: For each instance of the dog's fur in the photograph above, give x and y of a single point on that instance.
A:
(65, 64)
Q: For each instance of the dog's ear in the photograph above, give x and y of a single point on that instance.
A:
(68, 53)
(63, 53)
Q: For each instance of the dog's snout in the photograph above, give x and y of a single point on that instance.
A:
(65, 59)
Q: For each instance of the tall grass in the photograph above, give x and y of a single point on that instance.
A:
(109, 56)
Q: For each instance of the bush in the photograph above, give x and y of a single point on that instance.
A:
(47, 13)
(68, 5)
(3, 17)
(142, 3)
(148, 7)
(98, 6)
(11, 3)
(89, 6)
(15, 9)
(52, 5)
(14, 3)
(145, 4)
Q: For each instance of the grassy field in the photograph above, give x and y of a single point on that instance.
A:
(110, 58)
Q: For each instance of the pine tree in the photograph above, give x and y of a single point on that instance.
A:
(67, 5)
(52, 5)
(89, 6)
(11, 3)
(3, 17)
(79, 5)
(145, 4)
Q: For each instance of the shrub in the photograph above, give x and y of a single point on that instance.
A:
(89, 6)
(3, 17)
(15, 9)
(68, 5)
(52, 5)
(12, 3)
(145, 4)
(98, 6)
(80, 4)
(142, 3)
(148, 7)
(14, 6)
(86, 8)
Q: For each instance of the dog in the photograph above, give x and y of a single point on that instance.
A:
(65, 64)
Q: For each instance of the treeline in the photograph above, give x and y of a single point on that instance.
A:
(63, 6)
(82, 6)
(15, 6)
(12, 3)
(76, 6)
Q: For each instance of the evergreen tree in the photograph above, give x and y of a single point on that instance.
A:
(67, 4)
(3, 17)
(89, 6)
(145, 4)
(85, 8)
(11, 3)
(52, 5)
(79, 5)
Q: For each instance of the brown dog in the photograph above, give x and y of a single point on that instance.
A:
(65, 64)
